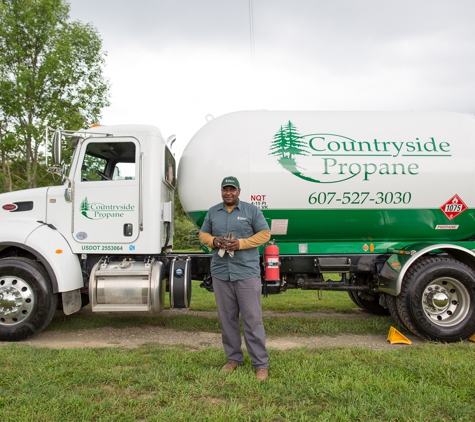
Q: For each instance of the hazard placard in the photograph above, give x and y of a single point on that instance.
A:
(453, 207)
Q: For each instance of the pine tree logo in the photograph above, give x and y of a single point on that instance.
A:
(287, 144)
(84, 207)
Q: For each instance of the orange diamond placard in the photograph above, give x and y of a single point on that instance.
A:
(453, 207)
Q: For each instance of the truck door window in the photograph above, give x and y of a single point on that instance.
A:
(91, 167)
(124, 171)
(109, 161)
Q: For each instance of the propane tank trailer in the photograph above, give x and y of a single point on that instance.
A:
(385, 199)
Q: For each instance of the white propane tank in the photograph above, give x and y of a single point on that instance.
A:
(320, 176)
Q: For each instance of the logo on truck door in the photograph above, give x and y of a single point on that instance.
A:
(99, 211)
(336, 158)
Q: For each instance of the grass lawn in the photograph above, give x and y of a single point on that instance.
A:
(430, 382)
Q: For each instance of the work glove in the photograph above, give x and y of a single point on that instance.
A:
(227, 237)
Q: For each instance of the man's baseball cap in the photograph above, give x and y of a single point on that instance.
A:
(230, 181)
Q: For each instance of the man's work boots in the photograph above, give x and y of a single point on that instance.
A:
(229, 367)
(262, 374)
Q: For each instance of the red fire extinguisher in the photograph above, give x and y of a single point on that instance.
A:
(271, 262)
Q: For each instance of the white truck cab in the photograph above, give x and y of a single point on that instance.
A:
(103, 236)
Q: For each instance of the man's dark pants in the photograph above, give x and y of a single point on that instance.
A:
(241, 297)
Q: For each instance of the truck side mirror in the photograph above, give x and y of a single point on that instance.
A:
(56, 150)
(170, 141)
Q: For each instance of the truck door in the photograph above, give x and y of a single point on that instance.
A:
(106, 193)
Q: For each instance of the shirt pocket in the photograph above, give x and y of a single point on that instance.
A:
(219, 228)
(241, 227)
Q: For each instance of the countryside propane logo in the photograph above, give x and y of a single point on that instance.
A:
(338, 158)
(98, 211)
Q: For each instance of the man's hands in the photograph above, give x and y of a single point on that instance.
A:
(233, 245)
(218, 242)
(227, 243)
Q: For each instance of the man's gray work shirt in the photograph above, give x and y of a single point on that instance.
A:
(244, 221)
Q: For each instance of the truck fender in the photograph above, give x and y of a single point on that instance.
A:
(52, 249)
(15, 232)
(396, 266)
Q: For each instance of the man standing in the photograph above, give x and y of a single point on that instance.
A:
(234, 229)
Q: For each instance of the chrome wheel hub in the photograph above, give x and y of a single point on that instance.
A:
(446, 301)
(16, 300)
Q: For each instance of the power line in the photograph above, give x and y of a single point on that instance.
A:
(253, 56)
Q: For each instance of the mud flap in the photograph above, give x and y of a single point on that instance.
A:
(71, 301)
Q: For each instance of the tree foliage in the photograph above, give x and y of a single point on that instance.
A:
(186, 233)
(51, 75)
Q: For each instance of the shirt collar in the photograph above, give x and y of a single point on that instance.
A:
(223, 207)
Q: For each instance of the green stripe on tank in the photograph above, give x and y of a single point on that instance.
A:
(389, 226)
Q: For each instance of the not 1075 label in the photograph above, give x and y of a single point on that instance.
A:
(359, 198)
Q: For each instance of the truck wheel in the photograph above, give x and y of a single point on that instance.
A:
(369, 303)
(392, 308)
(27, 301)
(437, 300)
(352, 294)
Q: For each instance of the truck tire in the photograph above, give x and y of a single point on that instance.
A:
(369, 303)
(437, 299)
(392, 308)
(352, 294)
(27, 301)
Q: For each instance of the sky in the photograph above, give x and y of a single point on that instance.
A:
(175, 64)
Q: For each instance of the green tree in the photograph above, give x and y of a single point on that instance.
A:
(51, 75)
(186, 233)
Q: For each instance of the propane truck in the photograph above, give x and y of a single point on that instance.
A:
(384, 199)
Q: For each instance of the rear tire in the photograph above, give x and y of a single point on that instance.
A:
(27, 301)
(369, 303)
(352, 294)
(437, 300)
(392, 308)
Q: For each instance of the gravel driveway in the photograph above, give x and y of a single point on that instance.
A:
(131, 337)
